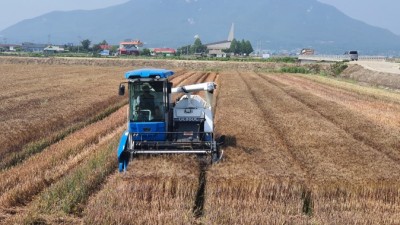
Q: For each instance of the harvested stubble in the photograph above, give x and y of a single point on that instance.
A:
(20, 183)
(376, 203)
(380, 106)
(38, 100)
(258, 181)
(331, 158)
(179, 78)
(327, 151)
(154, 190)
(290, 158)
(14, 158)
(385, 139)
(68, 197)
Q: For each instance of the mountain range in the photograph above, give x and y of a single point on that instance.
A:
(269, 24)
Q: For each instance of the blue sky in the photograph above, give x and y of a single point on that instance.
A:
(382, 13)
(13, 11)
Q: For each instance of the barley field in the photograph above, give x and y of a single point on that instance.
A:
(299, 149)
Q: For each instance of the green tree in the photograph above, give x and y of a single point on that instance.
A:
(96, 48)
(198, 47)
(104, 42)
(145, 52)
(234, 48)
(240, 47)
(86, 44)
(185, 50)
(243, 47)
(247, 48)
(18, 49)
(114, 48)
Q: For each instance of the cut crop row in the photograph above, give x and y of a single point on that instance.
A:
(379, 106)
(19, 184)
(341, 171)
(344, 171)
(258, 180)
(64, 201)
(382, 138)
(45, 100)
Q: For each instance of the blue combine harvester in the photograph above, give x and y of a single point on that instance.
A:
(156, 125)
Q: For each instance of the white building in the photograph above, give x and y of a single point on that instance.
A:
(53, 49)
(215, 49)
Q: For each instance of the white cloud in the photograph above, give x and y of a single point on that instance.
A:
(191, 21)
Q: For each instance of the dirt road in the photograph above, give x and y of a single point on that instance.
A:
(379, 66)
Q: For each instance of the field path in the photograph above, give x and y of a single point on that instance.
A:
(380, 66)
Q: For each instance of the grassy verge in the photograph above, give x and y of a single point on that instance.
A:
(38, 146)
(332, 70)
(294, 69)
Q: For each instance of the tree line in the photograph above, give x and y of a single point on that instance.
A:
(242, 47)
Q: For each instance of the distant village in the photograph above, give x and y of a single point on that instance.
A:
(129, 47)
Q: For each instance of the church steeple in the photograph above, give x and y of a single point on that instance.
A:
(231, 35)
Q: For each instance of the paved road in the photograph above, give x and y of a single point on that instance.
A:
(380, 66)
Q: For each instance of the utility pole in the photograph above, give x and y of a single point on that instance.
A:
(79, 42)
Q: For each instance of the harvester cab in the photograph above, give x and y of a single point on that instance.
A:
(156, 125)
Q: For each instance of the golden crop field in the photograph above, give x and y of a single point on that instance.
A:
(300, 149)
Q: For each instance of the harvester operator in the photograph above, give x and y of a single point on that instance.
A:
(146, 100)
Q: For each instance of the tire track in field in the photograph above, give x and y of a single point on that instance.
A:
(202, 167)
(279, 135)
(361, 129)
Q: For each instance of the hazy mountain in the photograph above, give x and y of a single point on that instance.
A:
(268, 24)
